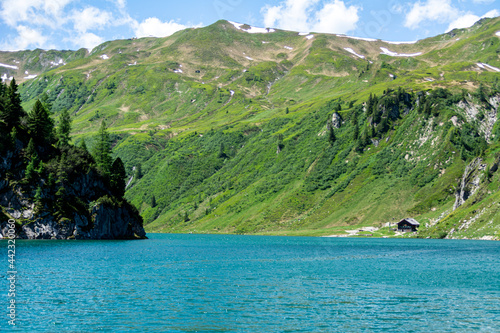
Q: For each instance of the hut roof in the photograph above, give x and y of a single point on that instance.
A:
(411, 221)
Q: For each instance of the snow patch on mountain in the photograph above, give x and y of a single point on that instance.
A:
(104, 57)
(8, 66)
(484, 66)
(59, 62)
(359, 38)
(5, 77)
(348, 49)
(398, 43)
(395, 54)
(252, 30)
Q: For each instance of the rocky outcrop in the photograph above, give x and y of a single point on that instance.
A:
(115, 220)
(469, 183)
(486, 116)
(336, 120)
(83, 206)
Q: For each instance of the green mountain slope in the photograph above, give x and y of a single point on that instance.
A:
(231, 130)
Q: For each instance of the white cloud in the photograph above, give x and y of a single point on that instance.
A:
(41, 12)
(289, 15)
(302, 15)
(155, 27)
(121, 3)
(91, 18)
(483, 1)
(336, 17)
(73, 23)
(469, 19)
(432, 10)
(27, 37)
(87, 40)
(463, 21)
(491, 14)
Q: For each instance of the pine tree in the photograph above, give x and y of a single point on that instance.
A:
(427, 108)
(355, 133)
(30, 172)
(83, 145)
(331, 135)
(153, 201)
(38, 198)
(64, 129)
(369, 105)
(102, 150)
(118, 176)
(222, 153)
(482, 94)
(138, 171)
(45, 101)
(12, 110)
(31, 149)
(40, 125)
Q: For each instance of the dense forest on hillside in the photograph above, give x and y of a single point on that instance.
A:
(46, 179)
(311, 165)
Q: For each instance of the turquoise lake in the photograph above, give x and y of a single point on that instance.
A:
(221, 283)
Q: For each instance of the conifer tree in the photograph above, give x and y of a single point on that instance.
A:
(83, 145)
(222, 153)
(30, 172)
(355, 133)
(45, 102)
(118, 176)
(31, 149)
(153, 201)
(331, 134)
(40, 125)
(12, 110)
(427, 108)
(64, 129)
(102, 150)
(138, 171)
(369, 105)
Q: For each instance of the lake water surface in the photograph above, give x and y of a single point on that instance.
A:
(219, 283)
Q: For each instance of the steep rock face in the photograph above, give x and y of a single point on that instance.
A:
(116, 220)
(469, 183)
(88, 208)
(486, 116)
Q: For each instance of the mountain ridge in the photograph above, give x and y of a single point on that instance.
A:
(191, 108)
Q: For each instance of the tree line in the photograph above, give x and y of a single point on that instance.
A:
(43, 147)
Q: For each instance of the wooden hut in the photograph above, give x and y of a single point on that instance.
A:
(408, 225)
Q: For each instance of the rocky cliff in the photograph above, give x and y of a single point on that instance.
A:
(77, 204)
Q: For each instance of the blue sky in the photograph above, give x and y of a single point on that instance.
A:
(72, 24)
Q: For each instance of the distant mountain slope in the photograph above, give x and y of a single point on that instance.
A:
(229, 128)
